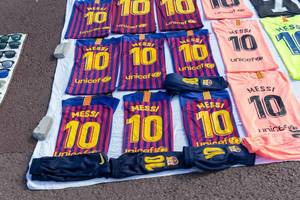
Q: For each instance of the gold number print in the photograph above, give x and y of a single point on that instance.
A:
(95, 17)
(140, 55)
(134, 7)
(73, 126)
(135, 122)
(92, 60)
(212, 125)
(176, 6)
(154, 162)
(193, 52)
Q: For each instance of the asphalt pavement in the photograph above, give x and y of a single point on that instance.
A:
(26, 103)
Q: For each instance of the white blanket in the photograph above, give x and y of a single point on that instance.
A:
(63, 70)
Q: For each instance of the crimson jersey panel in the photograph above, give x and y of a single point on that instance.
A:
(95, 67)
(133, 16)
(148, 122)
(191, 53)
(142, 62)
(208, 119)
(85, 125)
(178, 15)
(89, 19)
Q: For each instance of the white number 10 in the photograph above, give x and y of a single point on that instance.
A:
(279, 5)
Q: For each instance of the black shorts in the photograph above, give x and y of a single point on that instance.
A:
(70, 168)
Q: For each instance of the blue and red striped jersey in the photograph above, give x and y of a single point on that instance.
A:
(142, 62)
(178, 15)
(89, 19)
(191, 53)
(208, 118)
(148, 122)
(85, 125)
(133, 16)
(95, 67)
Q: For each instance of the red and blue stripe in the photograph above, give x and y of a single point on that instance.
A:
(79, 73)
(159, 99)
(195, 68)
(132, 23)
(194, 129)
(78, 27)
(155, 73)
(177, 21)
(105, 105)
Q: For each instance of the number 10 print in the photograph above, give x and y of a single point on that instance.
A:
(292, 41)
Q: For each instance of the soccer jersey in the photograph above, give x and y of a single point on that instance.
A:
(148, 124)
(85, 125)
(133, 16)
(224, 9)
(89, 19)
(177, 15)
(142, 62)
(95, 67)
(273, 8)
(285, 35)
(265, 102)
(191, 53)
(242, 46)
(207, 118)
(279, 146)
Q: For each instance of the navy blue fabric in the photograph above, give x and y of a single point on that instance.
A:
(131, 164)
(174, 84)
(217, 157)
(70, 168)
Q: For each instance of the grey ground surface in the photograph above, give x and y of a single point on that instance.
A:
(27, 100)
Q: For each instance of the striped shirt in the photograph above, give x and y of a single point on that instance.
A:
(89, 19)
(142, 62)
(133, 16)
(95, 67)
(178, 15)
(208, 119)
(85, 125)
(191, 53)
(148, 122)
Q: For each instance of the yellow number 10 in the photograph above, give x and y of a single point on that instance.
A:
(193, 52)
(135, 122)
(176, 6)
(95, 17)
(154, 162)
(212, 124)
(140, 55)
(134, 7)
(72, 128)
(93, 60)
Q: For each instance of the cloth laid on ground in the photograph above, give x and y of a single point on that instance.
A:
(63, 70)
